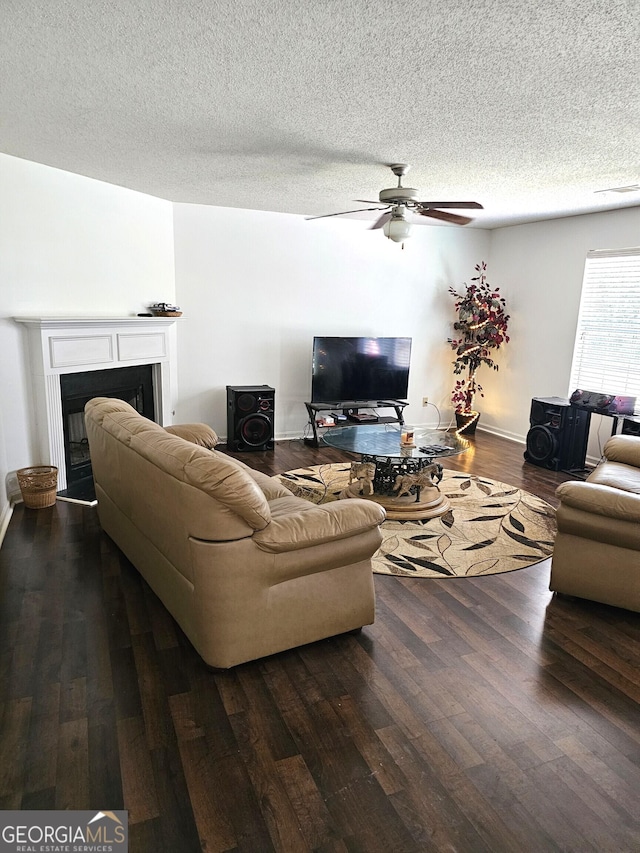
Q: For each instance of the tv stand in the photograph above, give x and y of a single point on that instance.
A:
(352, 407)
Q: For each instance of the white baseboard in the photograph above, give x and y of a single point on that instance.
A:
(502, 433)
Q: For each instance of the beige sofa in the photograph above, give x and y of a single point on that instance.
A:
(597, 549)
(245, 568)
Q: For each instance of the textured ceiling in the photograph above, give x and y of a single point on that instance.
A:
(527, 106)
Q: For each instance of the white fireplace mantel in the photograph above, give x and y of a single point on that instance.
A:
(60, 345)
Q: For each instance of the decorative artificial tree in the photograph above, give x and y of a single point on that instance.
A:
(482, 327)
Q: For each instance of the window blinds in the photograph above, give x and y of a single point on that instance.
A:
(606, 356)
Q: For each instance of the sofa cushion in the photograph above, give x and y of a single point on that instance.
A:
(617, 475)
(296, 523)
(271, 486)
(217, 476)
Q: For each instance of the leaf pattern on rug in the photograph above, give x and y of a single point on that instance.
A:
(447, 519)
(486, 517)
(484, 567)
(484, 488)
(444, 542)
(412, 563)
(490, 527)
(479, 545)
(517, 524)
(523, 540)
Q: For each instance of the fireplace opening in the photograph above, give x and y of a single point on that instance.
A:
(134, 385)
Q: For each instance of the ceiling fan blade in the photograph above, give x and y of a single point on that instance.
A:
(366, 201)
(382, 220)
(344, 212)
(464, 205)
(453, 218)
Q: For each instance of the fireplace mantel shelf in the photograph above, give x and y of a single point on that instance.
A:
(93, 322)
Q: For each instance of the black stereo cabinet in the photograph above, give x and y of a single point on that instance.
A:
(250, 417)
(558, 434)
(350, 409)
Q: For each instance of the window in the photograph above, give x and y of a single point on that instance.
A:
(606, 357)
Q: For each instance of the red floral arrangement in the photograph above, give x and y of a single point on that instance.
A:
(482, 324)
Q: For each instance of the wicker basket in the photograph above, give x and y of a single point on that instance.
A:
(38, 485)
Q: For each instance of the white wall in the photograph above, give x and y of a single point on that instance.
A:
(541, 266)
(256, 287)
(70, 246)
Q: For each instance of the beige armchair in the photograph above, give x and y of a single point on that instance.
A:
(244, 567)
(597, 549)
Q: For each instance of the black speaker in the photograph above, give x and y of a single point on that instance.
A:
(250, 417)
(558, 434)
(630, 426)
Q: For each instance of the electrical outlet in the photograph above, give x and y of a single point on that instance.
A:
(425, 401)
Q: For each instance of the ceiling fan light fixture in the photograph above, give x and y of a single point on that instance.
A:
(398, 228)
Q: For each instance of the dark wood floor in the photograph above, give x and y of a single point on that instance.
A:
(475, 715)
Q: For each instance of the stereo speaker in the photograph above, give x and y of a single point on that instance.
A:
(631, 426)
(250, 417)
(558, 434)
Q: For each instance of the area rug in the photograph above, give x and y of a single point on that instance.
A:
(490, 528)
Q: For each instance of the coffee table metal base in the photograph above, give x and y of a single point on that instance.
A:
(432, 503)
(400, 476)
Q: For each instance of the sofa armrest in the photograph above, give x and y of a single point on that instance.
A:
(600, 500)
(623, 448)
(199, 434)
(296, 523)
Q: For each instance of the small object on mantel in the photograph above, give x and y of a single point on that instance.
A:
(163, 309)
(148, 314)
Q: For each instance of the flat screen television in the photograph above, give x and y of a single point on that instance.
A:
(360, 369)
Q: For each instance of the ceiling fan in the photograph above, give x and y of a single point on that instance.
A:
(399, 201)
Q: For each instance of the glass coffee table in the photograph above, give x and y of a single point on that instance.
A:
(402, 477)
